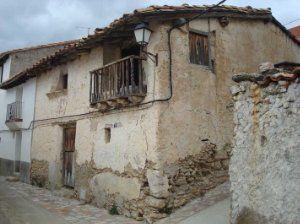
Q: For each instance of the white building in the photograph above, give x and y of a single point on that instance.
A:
(17, 109)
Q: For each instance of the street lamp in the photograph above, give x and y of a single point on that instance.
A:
(142, 35)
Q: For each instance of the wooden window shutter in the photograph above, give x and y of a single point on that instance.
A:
(199, 48)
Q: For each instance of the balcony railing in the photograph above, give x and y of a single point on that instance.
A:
(117, 81)
(14, 112)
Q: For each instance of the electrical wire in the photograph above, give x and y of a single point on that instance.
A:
(291, 22)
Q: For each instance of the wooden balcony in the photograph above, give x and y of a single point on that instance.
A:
(118, 84)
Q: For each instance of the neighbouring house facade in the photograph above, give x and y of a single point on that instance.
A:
(147, 137)
(17, 109)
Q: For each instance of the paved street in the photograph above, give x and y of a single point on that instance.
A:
(24, 204)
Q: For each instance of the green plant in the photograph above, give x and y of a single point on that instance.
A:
(113, 210)
(167, 210)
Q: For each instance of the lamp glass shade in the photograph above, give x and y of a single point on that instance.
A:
(142, 34)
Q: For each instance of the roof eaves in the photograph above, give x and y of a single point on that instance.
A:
(87, 42)
(286, 31)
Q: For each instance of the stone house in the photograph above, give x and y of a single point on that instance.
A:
(17, 108)
(146, 129)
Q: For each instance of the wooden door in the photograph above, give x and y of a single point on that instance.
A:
(69, 156)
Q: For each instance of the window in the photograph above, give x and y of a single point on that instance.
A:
(199, 48)
(65, 81)
(62, 82)
(107, 135)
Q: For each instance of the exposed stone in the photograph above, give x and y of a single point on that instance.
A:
(84, 174)
(155, 202)
(12, 178)
(263, 67)
(39, 173)
(235, 90)
(153, 215)
(247, 77)
(158, 184)
(194, 175)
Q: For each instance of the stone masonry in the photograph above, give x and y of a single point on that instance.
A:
(161, 190)
(265, 162)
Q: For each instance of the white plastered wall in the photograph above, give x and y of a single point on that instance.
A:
(8, 137)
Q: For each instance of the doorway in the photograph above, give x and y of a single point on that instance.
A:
(69, 156)
(133, 49)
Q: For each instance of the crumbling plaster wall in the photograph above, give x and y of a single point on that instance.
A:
(158, 151)
(52, 103)
(201, 106)
(99, 165)
(195, 127)
(46, 156)
(264, 168)
(74, 100)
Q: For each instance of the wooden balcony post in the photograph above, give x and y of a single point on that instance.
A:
(96, 84)
(121, 78)
(132, 75)
(127, 77)
(91, 83)
(140, 76)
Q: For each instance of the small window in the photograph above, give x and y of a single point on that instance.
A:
(107, 135)
(65, 81)
(199, 50)
(62, 82)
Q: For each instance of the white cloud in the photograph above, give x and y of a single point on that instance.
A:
(33, 22)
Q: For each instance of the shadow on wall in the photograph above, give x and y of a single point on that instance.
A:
(249, 216)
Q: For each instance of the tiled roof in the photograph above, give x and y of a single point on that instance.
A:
(296, 31)
(128, 21)
(2, 54)
(284, 71)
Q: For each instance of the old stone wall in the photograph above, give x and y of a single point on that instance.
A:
(265, 162)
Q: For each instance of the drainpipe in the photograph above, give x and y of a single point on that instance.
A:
(177, 24)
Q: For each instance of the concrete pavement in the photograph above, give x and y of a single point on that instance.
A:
(18, 209)
(212, 208)
(215, 214)
(21, 203)
(25, 204)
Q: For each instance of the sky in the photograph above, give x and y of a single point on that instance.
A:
(26, 23)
